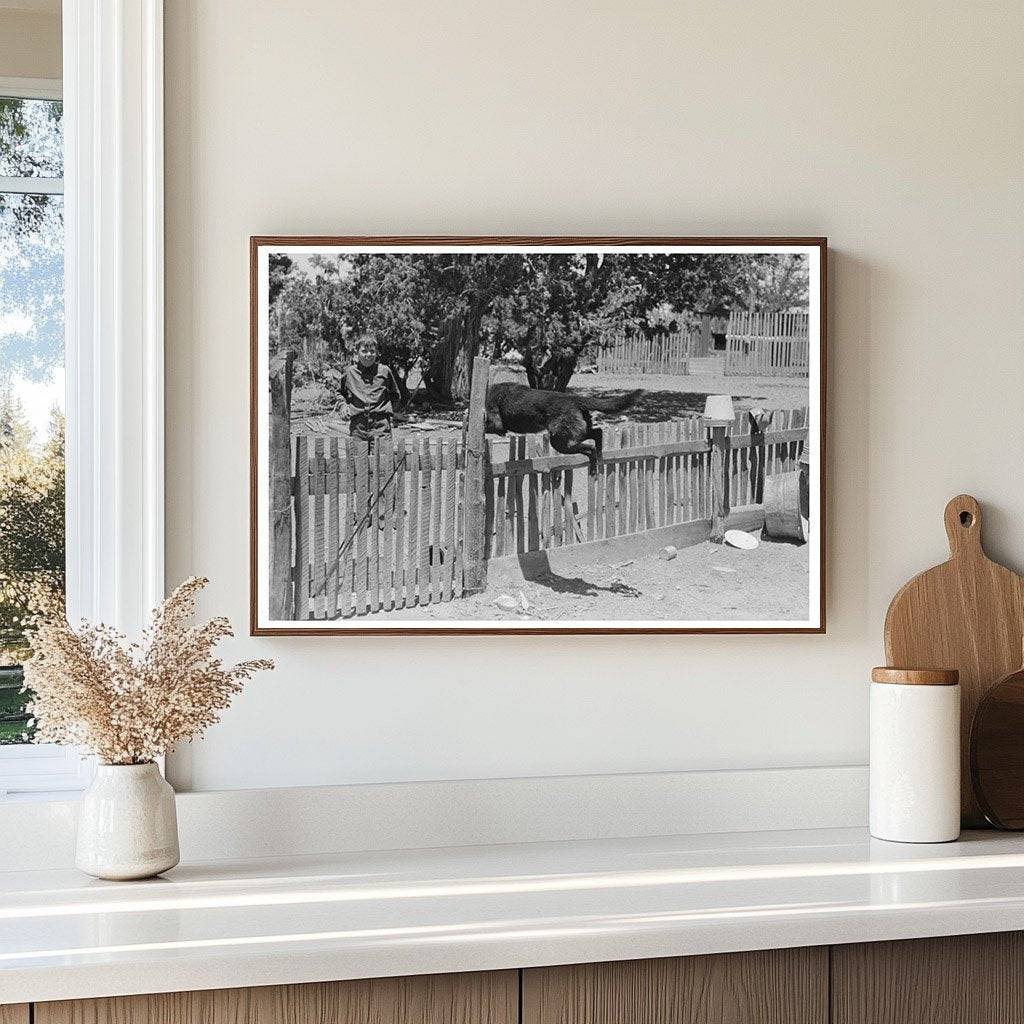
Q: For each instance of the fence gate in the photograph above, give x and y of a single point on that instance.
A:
(375, 531)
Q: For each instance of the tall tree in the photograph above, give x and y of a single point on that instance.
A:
(32, 550)
(307, 313)
(280, 266)
(468, 286)
(440, 310)
(429, 309)
(776, 282)
(579, 299)
(721, 281)
(392, 296)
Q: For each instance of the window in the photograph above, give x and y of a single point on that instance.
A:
(107, 143)
(32, 515)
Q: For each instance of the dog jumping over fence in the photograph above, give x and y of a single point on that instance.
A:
(565, 417)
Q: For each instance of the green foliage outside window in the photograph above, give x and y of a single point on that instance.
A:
(31, 355)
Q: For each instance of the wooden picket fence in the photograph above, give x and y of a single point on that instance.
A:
(640, 353)
(652, 475)
(768, 344)
(376, 531)
(386, 530)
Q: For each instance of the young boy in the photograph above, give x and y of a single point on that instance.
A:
(371, 391)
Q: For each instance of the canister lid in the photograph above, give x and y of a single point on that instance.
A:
(916, 676)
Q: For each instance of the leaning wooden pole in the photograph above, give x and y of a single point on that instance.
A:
(474, 478)
(719, 482)
(282, 603)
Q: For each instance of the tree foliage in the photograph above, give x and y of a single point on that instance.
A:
(32, 552)
(31, 138)
(437, 311)
(31, 146)
(31, 242)
(580, 299)
(397, 299)
(309, 318)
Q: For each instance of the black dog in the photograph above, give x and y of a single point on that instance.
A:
(565, 417)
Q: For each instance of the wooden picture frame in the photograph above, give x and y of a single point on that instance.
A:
(332, 484)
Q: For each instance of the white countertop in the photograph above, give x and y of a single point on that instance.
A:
(262, 922)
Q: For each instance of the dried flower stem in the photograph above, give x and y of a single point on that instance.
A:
(129, 703)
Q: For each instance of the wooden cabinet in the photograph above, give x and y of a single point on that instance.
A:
(778, 986)
(971, 979)
(963, 979)
(490, 998)
(968, 979)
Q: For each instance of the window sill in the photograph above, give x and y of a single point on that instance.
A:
(43, 771)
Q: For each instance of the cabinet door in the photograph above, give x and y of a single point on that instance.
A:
(778, 986)
(14, 1013)
(482, 998)
(962, 979)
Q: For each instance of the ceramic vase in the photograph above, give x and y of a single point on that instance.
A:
(127, 825)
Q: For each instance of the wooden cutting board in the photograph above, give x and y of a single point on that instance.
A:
(967, 614)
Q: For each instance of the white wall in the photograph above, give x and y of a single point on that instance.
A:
(895, 129)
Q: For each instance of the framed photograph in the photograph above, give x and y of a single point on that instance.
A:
(537, 435)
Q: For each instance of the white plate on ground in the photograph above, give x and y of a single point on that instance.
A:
(741, 539)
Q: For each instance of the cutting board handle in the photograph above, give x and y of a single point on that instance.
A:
(963, 526)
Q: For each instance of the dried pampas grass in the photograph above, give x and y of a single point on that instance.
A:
(129, 703)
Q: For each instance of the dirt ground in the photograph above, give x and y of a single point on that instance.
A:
(703, 582)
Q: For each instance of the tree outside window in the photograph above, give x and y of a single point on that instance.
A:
(31, 386)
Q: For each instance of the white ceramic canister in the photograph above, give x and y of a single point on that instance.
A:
(127, 825)
(915, 755)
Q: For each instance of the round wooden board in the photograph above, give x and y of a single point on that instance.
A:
(997, 753)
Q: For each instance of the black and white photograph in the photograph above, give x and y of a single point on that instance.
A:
(537, 435)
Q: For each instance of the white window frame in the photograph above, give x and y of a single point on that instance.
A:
(32, 88)
(114, 326)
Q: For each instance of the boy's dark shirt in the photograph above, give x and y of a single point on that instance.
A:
(371, 390)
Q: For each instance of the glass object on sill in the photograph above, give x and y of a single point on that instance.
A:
(31, 138)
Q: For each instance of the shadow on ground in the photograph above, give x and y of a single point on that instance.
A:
(545, 577)
(659, 406)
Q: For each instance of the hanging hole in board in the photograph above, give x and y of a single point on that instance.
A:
(966, 519)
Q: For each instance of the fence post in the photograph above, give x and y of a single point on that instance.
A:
(705, 334)
(719, 482)
(281, 583)
(759, 419)
(474, 479)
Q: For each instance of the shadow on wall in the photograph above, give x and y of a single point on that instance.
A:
(853, 286)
